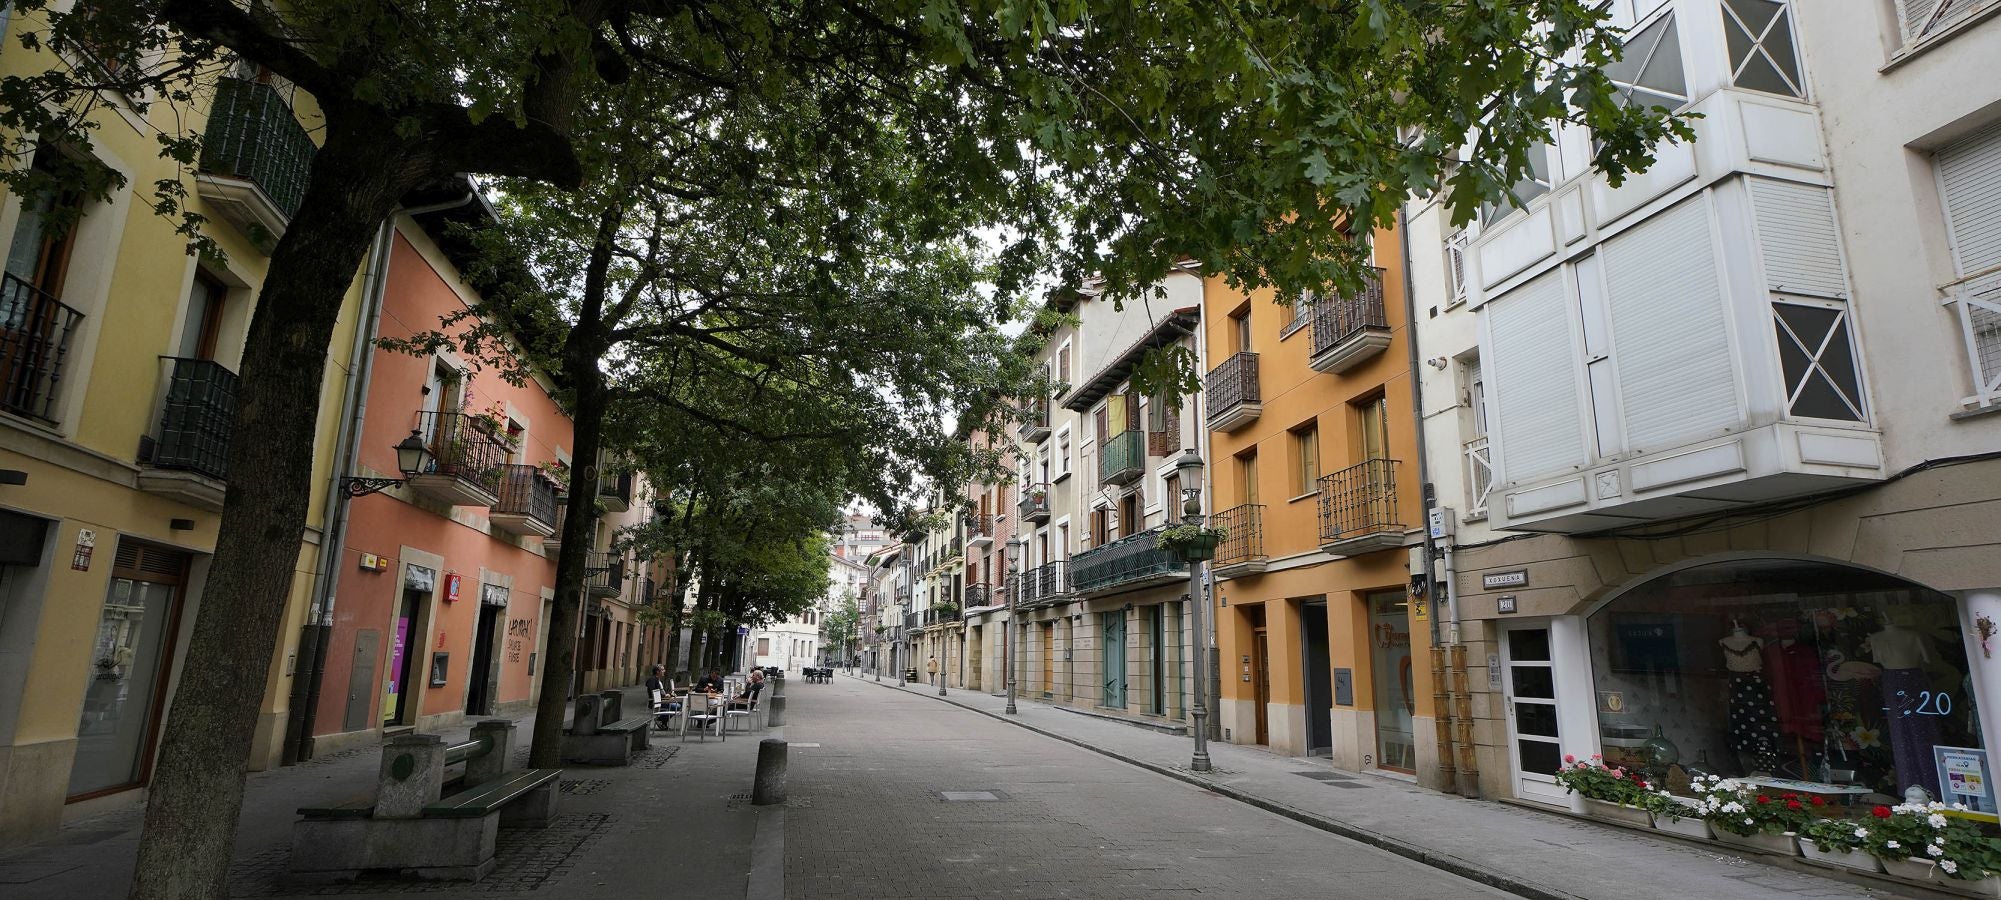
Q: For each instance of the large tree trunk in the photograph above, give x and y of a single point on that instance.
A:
(197, 787)
(582, 350)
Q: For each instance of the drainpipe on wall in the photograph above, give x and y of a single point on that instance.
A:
(1444, 711)
(317, 632)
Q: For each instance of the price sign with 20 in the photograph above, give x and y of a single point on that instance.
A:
(1925, 703)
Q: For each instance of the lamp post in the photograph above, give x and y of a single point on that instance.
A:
(1189, 470)
(411, 456)
(1015, 547)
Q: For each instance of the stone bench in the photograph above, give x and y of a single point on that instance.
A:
(600, 736)
(411, 827)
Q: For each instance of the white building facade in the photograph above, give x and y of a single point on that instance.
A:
(1719, 438)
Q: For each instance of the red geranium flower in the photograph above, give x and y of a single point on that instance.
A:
(1762, 799)
(1789, 796)
(1793, 804)
(1819, 801)
(1880, 812)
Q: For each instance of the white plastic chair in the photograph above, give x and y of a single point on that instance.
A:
(697, 710)
(747, 710)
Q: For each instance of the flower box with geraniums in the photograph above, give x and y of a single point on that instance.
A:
(1927, 844)
(1841, 843)
(1609, 792)
(1677, 816)
(1747, 816)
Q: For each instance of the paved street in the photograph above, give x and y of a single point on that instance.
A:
(872, 818)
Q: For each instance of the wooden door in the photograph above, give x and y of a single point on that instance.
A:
(1048, 659)
(1261, 684)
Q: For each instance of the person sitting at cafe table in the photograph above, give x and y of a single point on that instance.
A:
(711, 683)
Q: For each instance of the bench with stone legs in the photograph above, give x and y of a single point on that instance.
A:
(599, 736)
(412, 827)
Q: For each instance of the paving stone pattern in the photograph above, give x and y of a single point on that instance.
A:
(528, 859)
(900, 818)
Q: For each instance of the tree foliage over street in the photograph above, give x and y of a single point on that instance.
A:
(789, 261)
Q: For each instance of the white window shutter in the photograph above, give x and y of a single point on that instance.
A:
(1670, 344)
(1533, 376)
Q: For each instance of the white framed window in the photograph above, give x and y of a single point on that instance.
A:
(1063, 453)
(1922, 19)
(1455, 266)
(1533, 183)
(1651, 70)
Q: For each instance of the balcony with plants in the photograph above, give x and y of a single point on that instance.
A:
(1035, 504)
(1122, 458)
(527, 502)
(1129, 563)
(186, 458)
(1242, 551)
(255, 159)
(466, 459)
(1231, 392)
(1349, 329)
(35, 333)
(1358, 509)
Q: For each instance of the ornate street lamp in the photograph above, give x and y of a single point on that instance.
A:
(1189, 471)
(412, 456)
(1016, 546)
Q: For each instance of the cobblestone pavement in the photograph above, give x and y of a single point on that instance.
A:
(673, 823)
(909, 797)
(1535, 853)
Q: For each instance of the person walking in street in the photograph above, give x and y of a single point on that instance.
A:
(931, 668)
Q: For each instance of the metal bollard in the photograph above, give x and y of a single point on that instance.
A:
(777, 716)
(769, 786)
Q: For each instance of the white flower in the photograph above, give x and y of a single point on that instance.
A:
(1948, 865)
(1861, 833)
(1935, 820)
(1959, 807)
(1891, 844)
(1748, 821)
(1935, 850)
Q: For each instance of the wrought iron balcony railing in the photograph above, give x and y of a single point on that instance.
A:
(1034, 505)
(1244, 538)
(527, 493)
(1043, 583)
(615, 489)
(252, 135)
(1349, 329)
(1359, 501)
(605, 573)
(35, 332)
(1122, 562)
(195, 418)
(463, 447)
(979, 529)
(1122, 457)
(978, 595)
(1231, 390)
(1035, 420)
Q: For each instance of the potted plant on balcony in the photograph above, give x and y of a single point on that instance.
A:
(558, 473)
(1190, 542)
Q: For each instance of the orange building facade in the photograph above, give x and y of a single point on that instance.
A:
(445, 580)
(1314, 473)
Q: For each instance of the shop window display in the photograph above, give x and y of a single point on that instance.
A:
(1840, 682)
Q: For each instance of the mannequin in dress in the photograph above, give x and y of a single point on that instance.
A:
(1754, 734)
(1902, 653)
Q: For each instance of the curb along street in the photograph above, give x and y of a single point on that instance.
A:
(1443, 862)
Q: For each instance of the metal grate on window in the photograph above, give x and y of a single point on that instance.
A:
(1762, 56)
(1822, 380)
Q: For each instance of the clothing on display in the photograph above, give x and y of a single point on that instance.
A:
(1793, 669)
(1753, 734)
(1912, 733)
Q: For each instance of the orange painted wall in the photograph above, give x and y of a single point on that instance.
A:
(1293, 393)
(417, 297)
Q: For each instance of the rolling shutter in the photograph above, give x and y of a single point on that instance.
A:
(1669, 341)
(1534, 375)
(1796, 234)
(1969, 174)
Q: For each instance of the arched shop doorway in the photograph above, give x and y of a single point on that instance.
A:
(1812, 676)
